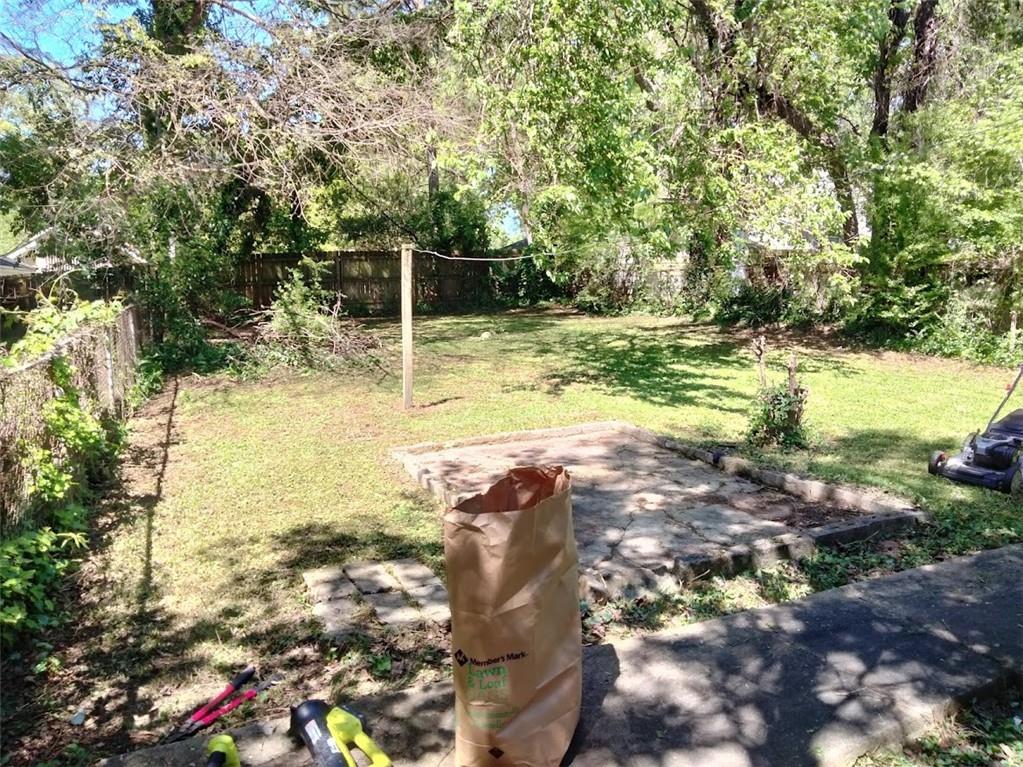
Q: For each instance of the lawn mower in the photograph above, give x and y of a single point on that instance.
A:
(993, 459)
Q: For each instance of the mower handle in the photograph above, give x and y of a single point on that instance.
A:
(1008, 394)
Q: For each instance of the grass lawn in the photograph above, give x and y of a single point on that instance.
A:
(197, 566)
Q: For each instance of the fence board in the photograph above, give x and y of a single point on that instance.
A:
(370, 280)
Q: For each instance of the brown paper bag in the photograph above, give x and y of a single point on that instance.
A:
(515, 630)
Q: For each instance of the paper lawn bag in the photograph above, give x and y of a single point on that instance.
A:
(515, 632)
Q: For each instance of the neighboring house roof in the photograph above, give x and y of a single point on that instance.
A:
(11, 268)
(512, 247)
(20, 262)
(23, 260)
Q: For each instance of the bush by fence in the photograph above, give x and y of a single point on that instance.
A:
(371, 279)
(97, 363)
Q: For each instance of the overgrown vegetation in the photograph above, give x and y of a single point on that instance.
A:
(777, 417)
(73, 455)
(307, 328)
(31, 567)
(705, 599)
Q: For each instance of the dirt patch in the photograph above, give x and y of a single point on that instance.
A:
(779, 507)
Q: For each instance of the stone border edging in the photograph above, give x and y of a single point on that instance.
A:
(810, 490)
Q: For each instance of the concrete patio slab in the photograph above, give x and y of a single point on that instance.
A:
(650, 512)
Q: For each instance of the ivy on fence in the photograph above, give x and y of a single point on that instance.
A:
(64, 390)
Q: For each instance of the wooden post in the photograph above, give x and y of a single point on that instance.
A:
(406, 324)
(760, 351)
(1013, 331)
(793, 381)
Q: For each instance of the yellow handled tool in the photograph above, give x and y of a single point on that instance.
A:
(347, 731)
(222, 752)
(331, 732)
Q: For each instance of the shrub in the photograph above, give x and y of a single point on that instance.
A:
(54, 319)
(612, 283)
(306, 327)
(965, 330)
(31, 565)
(753, 306)
(525, 282)
(777, 417)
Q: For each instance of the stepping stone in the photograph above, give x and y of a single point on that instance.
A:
(393, 608)
(433, 599)
(327, 583)
(371, 577)
(338, 617)
(413, 575)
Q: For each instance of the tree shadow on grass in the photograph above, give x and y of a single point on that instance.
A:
(107, 664)
(661, 369)
(664, 365)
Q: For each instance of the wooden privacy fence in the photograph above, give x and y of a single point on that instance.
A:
(370, 280)
(103, 359)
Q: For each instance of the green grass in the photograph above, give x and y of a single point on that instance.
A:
(200, 572)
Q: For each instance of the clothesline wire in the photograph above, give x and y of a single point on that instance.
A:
(551, 254)
(468, 258)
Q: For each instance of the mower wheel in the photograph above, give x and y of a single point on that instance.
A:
(938, 458)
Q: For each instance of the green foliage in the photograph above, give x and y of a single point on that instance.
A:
(149, 379)
(31, 566)
(988, 735)
(610, 284)
(53, 320)
(526, 282)
(76, 452)
(965, 329)
(777, 417)
(49, 483)
(452, 223)
(755, 306)
(708, 131)
(449, 221)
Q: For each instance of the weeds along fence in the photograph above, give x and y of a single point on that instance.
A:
(370, 280)
(102, 359)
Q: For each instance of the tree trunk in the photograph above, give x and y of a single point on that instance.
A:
(432, 173)
(925, 54)
(846, 200)
(898, 18)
